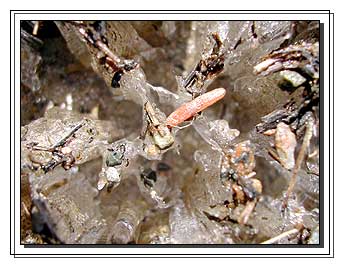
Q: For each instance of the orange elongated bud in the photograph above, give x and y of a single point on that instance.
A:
(189, 109)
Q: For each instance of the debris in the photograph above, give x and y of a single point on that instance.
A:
(285, 144)
(286, 234)
(108, 176)
(302, 152)
(270, 132)
(294, 78)
(243, 218)
(159, 131)
(195, 106)
(36, 28)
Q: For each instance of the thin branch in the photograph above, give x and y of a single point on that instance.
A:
(281, 236)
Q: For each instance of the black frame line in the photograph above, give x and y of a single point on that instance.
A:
(333, 129)
(169, 245)
(10, 131)
(178, 11)
(135, 255)
(111, 13)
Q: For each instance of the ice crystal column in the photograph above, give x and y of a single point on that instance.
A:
(125, 227)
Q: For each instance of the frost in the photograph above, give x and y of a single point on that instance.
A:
(103, 164)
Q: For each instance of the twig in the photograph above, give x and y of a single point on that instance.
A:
(36, 28)
(67, 136)
(243, 218)
(62, 141)
(305, 144)
(281, 236)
